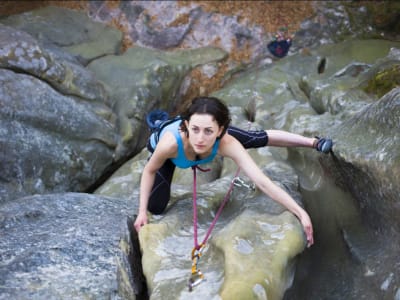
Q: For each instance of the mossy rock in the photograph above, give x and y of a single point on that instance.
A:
(384, 81)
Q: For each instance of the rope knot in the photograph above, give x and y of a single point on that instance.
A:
(201, 169)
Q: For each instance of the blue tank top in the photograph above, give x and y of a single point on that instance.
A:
(181, 161)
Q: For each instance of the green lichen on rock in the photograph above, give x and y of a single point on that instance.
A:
(384, 81)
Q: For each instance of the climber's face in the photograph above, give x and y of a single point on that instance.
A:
(203, 131)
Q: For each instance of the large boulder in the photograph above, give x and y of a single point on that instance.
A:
(82, 113)
(54, 117)
(66, 125)
(72, 31)
(141, 80)
(254, 235)
(63, 246)
(49, 142)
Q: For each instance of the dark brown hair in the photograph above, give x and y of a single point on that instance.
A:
(211, 106)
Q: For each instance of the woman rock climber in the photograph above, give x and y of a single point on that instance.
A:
(203, 132)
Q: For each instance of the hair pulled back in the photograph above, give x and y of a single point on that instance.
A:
(211, 106)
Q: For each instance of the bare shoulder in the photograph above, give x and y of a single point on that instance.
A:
(232, 148)
(167, 146)
(229, 146)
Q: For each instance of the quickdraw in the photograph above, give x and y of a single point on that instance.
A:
(197, 276)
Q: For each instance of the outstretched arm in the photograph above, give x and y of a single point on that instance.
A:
(230, 147)
(280, 138)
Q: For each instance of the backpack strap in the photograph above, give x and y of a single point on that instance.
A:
(157, 120)
(164, 124)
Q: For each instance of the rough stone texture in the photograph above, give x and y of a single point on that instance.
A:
(54, 116)
(70, 30)
(49, 142)
(371, 163)
(363, 247)
(82, 120)
(251, 226)
(356, 233)
(141, 80)
(263, 247)
(365, 165)
(22, 53)
(251, 223)
(61, 246)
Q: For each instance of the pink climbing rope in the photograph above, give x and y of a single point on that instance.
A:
(197, 276)
(197, 246)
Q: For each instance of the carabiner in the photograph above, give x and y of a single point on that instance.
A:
(239, 182)
(196, 277)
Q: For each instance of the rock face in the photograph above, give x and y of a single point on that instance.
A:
(369, 169)
(141, 80)
(72, 108)
(57, 246)
(372, 161)
(253, 236)
(58, 134)
(64, 124)
(340, 220)
(68, 30)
